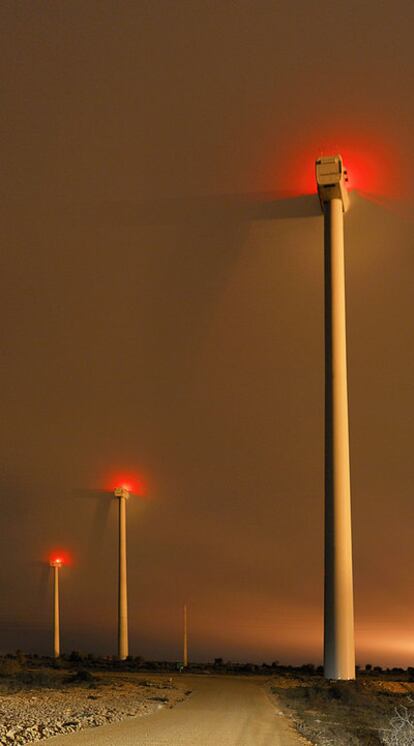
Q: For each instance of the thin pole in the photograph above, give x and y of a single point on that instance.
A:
(56, 626)
(185, 641)
(339, 650)
(122, 585)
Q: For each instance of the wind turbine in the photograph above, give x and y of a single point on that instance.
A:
(131, 486)
(339, 646)
(56, 563)
(185, 638)
(122, 493)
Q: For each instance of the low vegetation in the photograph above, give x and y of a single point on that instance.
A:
(401, 728)
(373, 710)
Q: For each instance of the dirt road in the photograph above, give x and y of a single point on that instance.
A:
(221, 711)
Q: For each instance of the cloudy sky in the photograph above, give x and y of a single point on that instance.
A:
(162, 318)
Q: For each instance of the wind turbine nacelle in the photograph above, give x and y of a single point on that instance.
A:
(121, 492)
(331, 178)
(56, 562)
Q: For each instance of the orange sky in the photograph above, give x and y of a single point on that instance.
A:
(160, 320)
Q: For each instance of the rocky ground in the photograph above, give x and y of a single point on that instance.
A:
(32, 711)
(365, 711)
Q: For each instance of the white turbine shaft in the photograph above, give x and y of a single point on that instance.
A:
(185, 640)
(56, 624)
(339, 647)
(122, 495)
(339, 650)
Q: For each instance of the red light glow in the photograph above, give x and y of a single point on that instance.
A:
(134, 483)
(59, 557)
(374, 167)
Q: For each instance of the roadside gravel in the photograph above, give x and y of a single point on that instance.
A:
(30, 715)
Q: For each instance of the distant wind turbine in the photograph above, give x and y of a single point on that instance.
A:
(122, 493)
(185, 638)
(56, 563)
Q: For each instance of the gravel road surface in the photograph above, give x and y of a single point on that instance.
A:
(221, 711)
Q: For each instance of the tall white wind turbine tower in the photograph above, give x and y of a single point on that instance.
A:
(56, 564)
(339, 647)
(122, 493)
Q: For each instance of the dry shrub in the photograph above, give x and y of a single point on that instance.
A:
(401, 731)
(10, 667)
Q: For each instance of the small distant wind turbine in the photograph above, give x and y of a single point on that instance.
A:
(122, 493)
(56, 563)
(185, 638)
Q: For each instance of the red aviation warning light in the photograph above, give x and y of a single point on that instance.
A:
(56, 562)
(133, 483)
(375, 164)
(59, 557)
